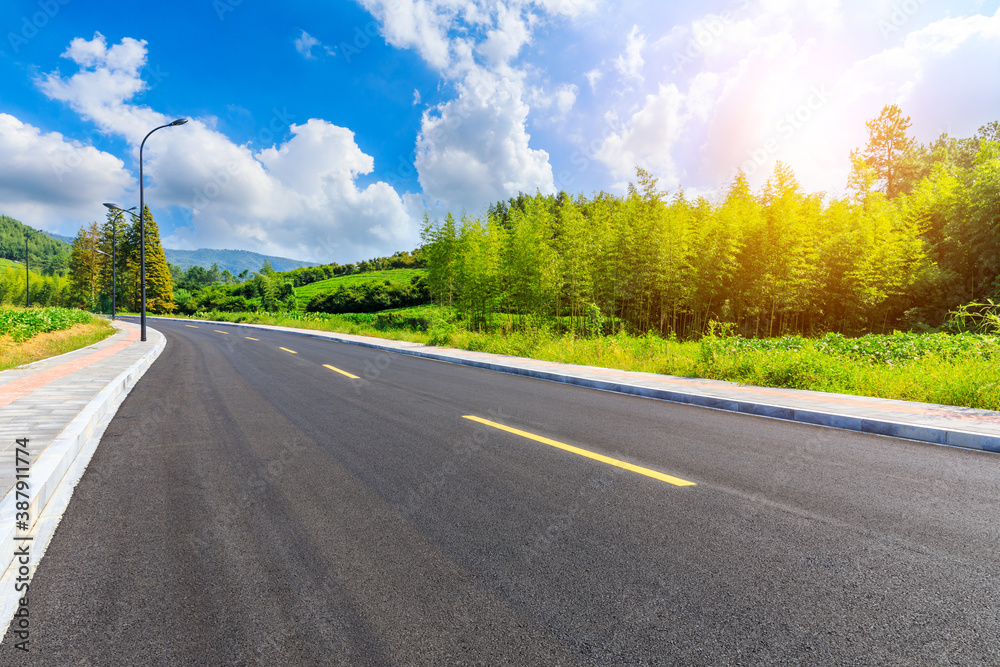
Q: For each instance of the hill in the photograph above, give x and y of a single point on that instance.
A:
(47, 254)
(234, 260)
(307, 292)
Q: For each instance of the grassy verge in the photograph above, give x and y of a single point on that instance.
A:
(50, 344)
(961, 370)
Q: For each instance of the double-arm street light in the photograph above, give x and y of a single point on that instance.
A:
(142, 230)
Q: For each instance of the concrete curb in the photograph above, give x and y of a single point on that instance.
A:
(51, 465)
(930, 434)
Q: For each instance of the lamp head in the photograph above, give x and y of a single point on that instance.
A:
(113, 207)
(179, 121)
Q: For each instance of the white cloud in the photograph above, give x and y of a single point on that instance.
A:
(630, 63)
(593, 76)
(47, 180)
(475, 150)
(649, 137)
(298, 199)
(417, 24)
(562, 98)
(304, 44)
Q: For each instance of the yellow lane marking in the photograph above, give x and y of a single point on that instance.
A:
(353, 377)
(191, 325)
(221, 332)
(249, 338)
(676, 481)
(287, 350)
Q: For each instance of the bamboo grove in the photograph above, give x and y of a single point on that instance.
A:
(917, 235)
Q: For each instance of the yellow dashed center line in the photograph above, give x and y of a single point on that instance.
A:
(287, 350)
(191, 325)
(353, 377)
(676, 481)
(249, 338)
(221, 332)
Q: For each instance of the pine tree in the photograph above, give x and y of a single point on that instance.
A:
(159, 284)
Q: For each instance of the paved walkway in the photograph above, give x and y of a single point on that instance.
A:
(59, 405)
(38, 400)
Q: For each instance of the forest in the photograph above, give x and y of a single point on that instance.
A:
(914, 238)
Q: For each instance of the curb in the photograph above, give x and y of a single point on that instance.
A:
(949, 437)
(51, 465)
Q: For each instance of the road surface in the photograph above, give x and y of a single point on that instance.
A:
(251, 503)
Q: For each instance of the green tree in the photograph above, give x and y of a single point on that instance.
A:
(890, 151)
(159, 284)
(84, 268)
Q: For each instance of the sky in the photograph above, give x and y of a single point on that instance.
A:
(326, 130)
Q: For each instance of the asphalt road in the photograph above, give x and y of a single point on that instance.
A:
(249, 505)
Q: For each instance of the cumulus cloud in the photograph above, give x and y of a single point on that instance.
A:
(299, 198)
(46, 179)
(475, 148)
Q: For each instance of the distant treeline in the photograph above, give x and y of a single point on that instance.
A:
(918, 236)
(313, 274)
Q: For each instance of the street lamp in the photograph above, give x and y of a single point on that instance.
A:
(142, 231)
(114, 246)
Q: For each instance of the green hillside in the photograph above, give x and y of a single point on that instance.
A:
(7, 263)
(306, 293)
(47, 255)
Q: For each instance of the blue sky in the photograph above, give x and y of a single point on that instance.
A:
(324, 131)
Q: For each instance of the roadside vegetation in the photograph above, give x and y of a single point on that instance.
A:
(961, 369)
(30, 334)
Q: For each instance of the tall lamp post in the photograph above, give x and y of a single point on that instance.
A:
(142, 231)
(114, 260)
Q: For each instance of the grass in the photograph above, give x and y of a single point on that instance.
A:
(20, 324)
(959, 370)
(53, 343)
(8, 263)
(305, 293)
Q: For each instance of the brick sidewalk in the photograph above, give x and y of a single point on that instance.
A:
(38, 400)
